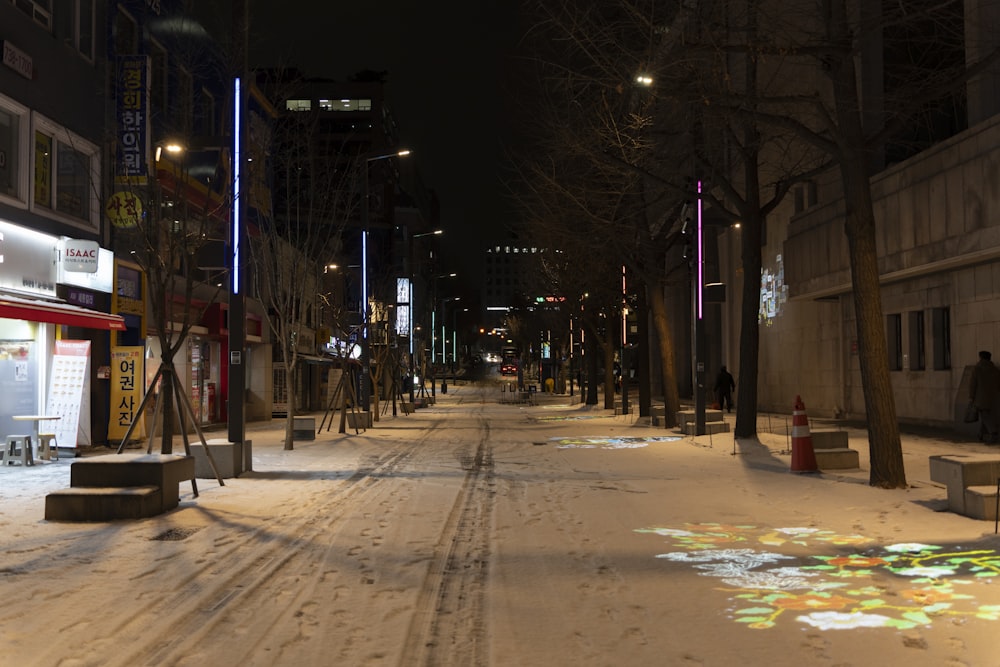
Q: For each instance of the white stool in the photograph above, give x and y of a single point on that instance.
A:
(48, 448)
(18, 447)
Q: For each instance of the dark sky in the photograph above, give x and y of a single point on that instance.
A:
(446, 61)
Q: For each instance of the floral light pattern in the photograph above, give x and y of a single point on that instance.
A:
(833, 592)
(609, 442)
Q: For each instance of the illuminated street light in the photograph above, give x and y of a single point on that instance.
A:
(436, 232)
(365, 345)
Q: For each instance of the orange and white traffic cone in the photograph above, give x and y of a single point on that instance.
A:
(803, 455)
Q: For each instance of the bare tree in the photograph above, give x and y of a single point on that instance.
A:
(316, 188)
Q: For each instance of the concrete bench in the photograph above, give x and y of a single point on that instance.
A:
(103, 503)
(961, 472)
(687, 421)
(303, 428)
(832, 452)
(120, 486)
(232, 459)
(981, 502)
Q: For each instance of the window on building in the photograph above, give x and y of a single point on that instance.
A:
(74, 23)
(941, 338)
(346, 104)
(157, 77)
(298, 105)
(66, 174)
(39, 10)
(894, 340)
(184, 104)
(915, 328)
(84, 32)
(13, 145)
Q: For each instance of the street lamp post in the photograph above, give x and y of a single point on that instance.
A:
(444, 334)
(236, 413)
(699, 325)
(363, 392)
(436, 232)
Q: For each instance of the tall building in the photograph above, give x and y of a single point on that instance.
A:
(56, 269)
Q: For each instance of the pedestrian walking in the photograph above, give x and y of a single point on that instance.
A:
(724, 386)
(984, 388)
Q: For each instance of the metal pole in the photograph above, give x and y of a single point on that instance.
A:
(412, 317)
(238, 240)
(365, 350)
(699, 328)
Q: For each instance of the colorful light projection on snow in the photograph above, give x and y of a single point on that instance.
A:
(608, 442)
(899, 586)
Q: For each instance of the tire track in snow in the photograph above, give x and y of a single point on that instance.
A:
(450, 625)
(248, 575)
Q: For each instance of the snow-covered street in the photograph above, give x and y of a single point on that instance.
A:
(475, 533)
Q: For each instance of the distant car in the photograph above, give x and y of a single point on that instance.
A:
(508, 368)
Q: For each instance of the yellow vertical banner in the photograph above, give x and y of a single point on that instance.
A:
(127, 380)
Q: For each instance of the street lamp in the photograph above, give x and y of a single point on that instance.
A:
(434, 316)
(436, 232)
(444, 333)
(365, 343)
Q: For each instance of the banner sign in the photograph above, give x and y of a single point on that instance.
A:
(133, 119)
(127, 379)
(68, 385)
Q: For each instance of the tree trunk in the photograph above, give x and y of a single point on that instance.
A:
(290, 415)
(885, 448)
(591, 361)
(642, 352)
(746, 396)
(751, 236)
(661, 324)
(167, 406)
(608, 349)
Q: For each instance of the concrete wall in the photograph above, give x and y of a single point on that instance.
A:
(938, 226)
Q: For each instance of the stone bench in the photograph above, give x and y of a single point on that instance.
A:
(687, 421)
(832, 452)
(970, 481)
(232, 459)
(303, 428)
(120, 486)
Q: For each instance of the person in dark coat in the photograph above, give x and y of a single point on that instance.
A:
(724, 386)
(984, 389)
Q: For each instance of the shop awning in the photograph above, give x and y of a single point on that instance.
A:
(15, 308)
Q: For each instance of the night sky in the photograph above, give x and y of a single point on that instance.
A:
(447, 64)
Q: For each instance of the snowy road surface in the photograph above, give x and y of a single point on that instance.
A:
(475, 533)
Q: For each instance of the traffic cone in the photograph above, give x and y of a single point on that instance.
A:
(803, 456)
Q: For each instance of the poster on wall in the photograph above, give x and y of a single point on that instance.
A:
(126, 393)
(68, 384)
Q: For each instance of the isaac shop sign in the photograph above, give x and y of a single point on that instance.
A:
(80, 256)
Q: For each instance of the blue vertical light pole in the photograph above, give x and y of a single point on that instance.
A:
(237, 237)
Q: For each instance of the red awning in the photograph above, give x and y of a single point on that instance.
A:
(15, 308)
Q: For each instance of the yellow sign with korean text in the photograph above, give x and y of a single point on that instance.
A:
(127, 382)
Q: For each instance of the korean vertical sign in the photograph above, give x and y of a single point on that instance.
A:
(132, 165)
(127, 380)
